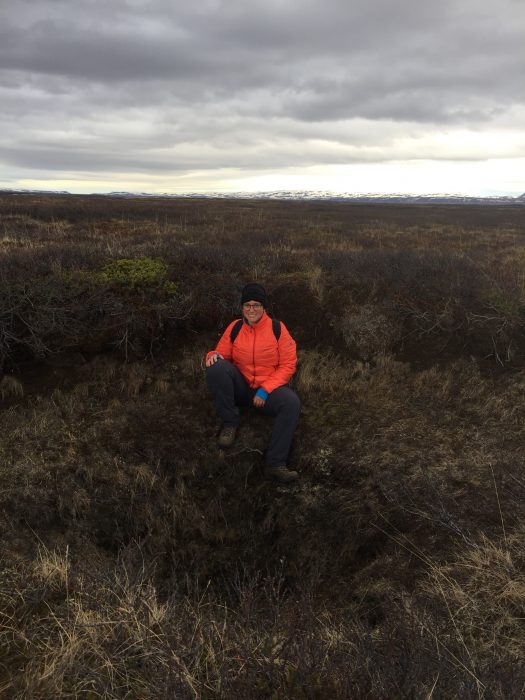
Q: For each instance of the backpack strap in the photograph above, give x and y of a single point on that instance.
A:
(236, 328)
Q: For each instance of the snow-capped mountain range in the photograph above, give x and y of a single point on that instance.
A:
(320, 195)
(311, 195)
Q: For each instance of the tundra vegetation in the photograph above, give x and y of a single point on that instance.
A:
(139, 561)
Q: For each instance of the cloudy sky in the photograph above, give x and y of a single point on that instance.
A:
(200, 95)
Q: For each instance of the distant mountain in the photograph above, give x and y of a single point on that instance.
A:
(319, 195)
(312, 195)
(6, 191)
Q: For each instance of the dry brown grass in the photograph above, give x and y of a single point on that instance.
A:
(11, 387)
(140, 562)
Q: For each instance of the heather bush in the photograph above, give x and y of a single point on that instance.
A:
(79, 310)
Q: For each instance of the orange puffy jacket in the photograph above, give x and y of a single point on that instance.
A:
(262, 360)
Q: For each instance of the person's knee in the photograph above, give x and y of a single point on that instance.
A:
(217, 370)
(291, 403)
(296, 403)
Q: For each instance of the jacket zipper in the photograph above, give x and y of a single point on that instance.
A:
(253, 357)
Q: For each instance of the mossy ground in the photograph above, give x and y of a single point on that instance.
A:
(139, 561)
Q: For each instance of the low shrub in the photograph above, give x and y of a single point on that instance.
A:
(137, 272)
(129, 304)
(367, 331)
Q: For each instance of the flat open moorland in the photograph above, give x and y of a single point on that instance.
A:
(140, 561)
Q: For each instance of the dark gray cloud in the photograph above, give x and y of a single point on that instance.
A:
(156, 86)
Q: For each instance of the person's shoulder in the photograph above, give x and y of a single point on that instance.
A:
(227, 331)
(234, 327)
(231, 324)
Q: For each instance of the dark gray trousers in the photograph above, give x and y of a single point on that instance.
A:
(230, 390)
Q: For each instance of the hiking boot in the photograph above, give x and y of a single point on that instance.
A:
(281, 474)
(227, 435)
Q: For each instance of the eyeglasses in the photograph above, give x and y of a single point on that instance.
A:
(255, 307)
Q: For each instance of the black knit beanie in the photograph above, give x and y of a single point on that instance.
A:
(254, 292)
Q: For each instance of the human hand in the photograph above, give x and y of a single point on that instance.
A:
(212, 359)
(258, 402)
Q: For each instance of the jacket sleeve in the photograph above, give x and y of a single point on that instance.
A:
(287, 362)
(224, 346)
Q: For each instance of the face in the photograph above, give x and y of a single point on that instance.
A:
(253, 311)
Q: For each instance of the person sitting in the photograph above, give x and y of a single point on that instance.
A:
(251, 366)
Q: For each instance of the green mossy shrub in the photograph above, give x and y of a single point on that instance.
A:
(138, 273)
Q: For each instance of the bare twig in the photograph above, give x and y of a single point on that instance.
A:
(244, 449)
